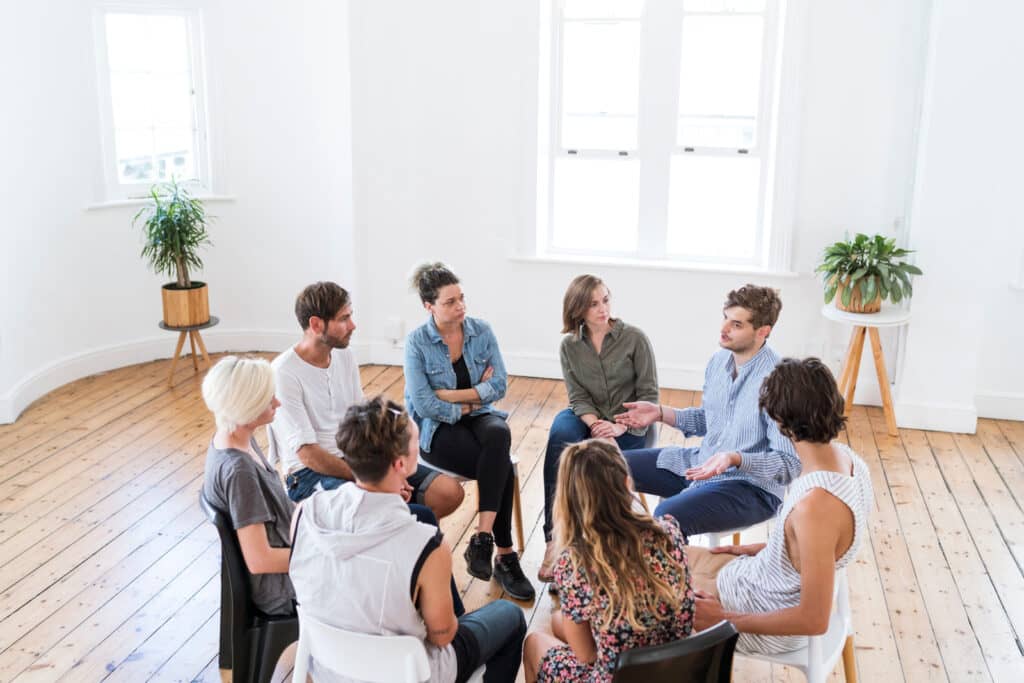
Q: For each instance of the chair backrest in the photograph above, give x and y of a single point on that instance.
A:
(705, 657)
(232, 566)
(377, 659)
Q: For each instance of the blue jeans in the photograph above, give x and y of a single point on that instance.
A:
(492, 635)
(302, 483)
(721, 505)
(567, 429)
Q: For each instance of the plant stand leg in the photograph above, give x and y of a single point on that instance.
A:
(853, 363)
(883, 382)
(202, 347)
(174, 359)
(192, 343)
(844, 373)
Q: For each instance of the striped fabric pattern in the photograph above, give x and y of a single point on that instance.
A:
(768, 581)
(730, 421)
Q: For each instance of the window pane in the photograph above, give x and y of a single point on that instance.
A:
(596, 204)
(134, 149)
(724, 5)
(171, 99)
(609, 9)
(720, 77)
(600, 82)
(713, 208)
(127, 42)
(152, 97)
(173, 152)
(131, 100)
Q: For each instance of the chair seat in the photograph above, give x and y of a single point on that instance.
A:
(517, 506)
(832, 648)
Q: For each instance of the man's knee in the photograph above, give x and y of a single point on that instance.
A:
(443, 495)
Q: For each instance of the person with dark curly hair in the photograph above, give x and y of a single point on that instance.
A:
(738, 474)
(778, 593)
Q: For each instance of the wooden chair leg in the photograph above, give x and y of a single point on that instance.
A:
(174, 360)
(849, 662)
(192, 343)
(517, 511)
(736, 538)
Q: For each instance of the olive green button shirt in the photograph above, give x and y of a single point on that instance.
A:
(624, 371)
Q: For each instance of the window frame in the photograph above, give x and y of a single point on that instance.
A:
(203, 182)
(657, 118)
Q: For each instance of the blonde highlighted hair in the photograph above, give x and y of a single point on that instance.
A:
(595, 520)
(237, 390)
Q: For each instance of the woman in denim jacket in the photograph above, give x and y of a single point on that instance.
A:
(453, 374)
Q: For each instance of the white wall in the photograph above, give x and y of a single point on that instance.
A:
(968, 326)
(438, 151)
(444, 100)
(78, 298)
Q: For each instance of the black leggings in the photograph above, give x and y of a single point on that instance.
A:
(477, 447)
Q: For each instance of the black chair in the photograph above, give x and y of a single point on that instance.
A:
(251, 642)
(702, 658)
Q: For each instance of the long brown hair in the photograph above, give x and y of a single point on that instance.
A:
(576, 301)
(605, 536)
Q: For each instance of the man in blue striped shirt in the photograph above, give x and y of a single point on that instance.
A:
(737, 476)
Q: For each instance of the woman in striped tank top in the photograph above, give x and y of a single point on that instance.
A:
(779, 592)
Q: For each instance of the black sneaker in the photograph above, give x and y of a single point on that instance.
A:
(478, 555)
(511, 577)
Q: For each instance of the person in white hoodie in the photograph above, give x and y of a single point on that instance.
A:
(361, 562)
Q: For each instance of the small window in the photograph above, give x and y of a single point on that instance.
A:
(152, 104)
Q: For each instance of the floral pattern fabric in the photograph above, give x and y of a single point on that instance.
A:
(583, 603)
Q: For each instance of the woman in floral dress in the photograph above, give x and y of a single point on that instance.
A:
(622, 576)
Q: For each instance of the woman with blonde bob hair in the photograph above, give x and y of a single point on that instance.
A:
(241, 483)
(622, 576)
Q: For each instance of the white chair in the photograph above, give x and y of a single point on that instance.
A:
(517, 506)
(715, 537)
(817, 659)
(376, 659)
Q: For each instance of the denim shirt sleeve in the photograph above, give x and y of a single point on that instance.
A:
(494, 388)
(425, 401)
(779, 462)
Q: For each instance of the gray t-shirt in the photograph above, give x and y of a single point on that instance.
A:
(251, 493)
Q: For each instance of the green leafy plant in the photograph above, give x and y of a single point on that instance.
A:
(174, 228)
(875, 265)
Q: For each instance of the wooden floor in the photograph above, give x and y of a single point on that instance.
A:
(108, 570)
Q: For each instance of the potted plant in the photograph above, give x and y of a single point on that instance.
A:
(864, 271)
(174, 228)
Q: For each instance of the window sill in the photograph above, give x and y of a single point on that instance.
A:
(660, 265)
(140, 201)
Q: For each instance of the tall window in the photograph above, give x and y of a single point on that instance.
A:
(661, 129)
(152, 102)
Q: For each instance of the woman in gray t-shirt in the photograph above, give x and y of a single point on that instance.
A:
(240, 482)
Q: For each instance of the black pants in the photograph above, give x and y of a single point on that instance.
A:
(477, 447)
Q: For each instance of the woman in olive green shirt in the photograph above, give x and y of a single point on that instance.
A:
(605, 363)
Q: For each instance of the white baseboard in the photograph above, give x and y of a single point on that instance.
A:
(63, 370)
(942, 417)
(1000, 405)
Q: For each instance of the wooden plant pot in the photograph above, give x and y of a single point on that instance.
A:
(185, 307)
(856, 305)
